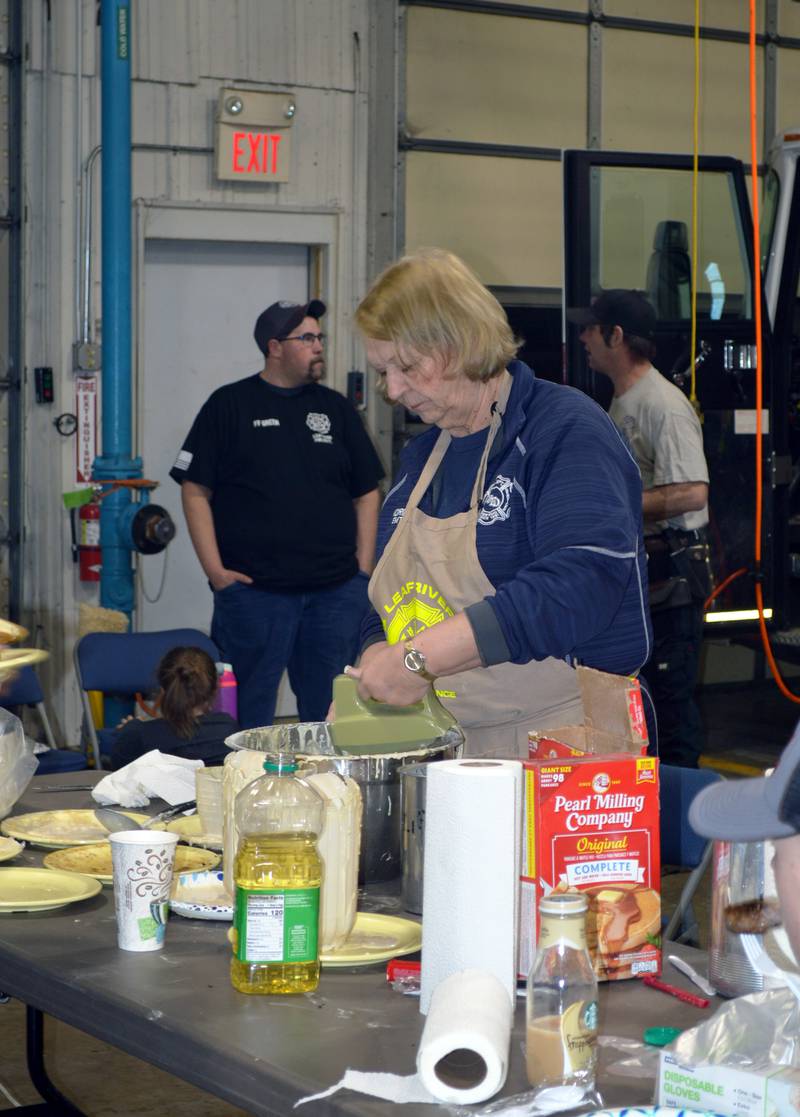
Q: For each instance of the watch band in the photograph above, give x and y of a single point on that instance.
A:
(414, 661)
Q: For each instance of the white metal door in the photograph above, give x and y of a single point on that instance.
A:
(200, 303)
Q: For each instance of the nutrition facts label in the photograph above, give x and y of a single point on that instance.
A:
(277, 926)
(265, 913)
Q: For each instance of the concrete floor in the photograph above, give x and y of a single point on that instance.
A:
(101, 1080)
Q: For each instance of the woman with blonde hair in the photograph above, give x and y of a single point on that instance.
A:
(510, 547)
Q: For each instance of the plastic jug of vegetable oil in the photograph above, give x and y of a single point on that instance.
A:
(277, 876)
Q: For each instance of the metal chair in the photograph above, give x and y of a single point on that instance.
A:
(124, 664)
(26, 690)
(680, 845)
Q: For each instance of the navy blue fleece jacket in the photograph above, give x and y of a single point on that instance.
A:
(559, 534)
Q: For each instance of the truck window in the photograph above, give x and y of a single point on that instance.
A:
(769, 209)
(642, 222)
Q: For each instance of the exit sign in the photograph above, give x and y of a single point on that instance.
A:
(247, 153)
(253, 140)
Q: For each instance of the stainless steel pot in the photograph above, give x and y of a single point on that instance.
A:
(377, 776)
(413, 784)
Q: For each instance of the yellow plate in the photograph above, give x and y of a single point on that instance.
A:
(189, 830)
(95, 860)
(43, 889)
(375, 938)
(9, 848)
(57, 829)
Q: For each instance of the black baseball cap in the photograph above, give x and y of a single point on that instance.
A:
(627, 309)
(281, 318)
(753, 810)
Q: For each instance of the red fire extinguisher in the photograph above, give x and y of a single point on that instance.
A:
(89, 555)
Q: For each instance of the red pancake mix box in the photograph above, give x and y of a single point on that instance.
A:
(591, 823)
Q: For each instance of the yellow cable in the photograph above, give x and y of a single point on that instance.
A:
(695, 176)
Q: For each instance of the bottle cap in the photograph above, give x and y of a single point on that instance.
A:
(279, 764)
(563, 903)
(660, 1036)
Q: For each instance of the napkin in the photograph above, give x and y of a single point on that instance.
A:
(152, 776)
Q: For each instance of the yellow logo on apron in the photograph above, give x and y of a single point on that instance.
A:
(413, 608)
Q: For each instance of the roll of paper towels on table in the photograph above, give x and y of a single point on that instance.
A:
(471, 872)
(463, 1053)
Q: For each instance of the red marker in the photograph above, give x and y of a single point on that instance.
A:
(674, 991)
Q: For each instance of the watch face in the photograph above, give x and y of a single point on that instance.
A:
(415, 661)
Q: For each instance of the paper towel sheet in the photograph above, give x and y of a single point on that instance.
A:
(463, 1052)
(471, 872)
(156, 775)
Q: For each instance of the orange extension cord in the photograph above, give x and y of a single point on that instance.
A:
(759, 511)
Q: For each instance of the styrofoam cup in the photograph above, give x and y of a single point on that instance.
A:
(143, 863)
(208, 792)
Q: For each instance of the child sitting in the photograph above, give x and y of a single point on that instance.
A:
(187, 678)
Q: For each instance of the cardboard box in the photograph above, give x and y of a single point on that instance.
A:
(591, 824)
(731, 1091)
(614, 720)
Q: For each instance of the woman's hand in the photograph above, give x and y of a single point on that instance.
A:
(382, 675)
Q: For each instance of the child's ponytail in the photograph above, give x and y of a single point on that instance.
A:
(188, 681)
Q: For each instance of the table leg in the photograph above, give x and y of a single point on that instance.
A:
(55, 1104)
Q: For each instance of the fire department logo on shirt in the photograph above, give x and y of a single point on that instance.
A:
(496, 503)
(319, 425)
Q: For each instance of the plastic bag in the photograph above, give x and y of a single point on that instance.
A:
(17, 762)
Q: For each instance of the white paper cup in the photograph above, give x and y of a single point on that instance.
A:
(143, 862)
(208, 792)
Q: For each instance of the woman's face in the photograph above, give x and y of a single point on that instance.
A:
(426, 385)
(786, 864)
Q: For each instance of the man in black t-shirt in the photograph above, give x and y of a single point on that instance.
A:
(279, 488)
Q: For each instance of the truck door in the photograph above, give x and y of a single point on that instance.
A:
(628, 222)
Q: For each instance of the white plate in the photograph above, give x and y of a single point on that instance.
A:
(202, 895)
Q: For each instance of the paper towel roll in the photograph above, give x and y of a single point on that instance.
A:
(471, 872)
(463, 1053)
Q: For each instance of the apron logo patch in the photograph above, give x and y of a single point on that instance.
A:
(413, 608)
(496, 503)
(319, 425)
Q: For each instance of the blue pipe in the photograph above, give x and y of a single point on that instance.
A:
(115, 461)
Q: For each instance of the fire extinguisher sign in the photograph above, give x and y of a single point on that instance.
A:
(86, 410)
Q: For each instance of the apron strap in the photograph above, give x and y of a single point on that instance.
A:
(497, 421)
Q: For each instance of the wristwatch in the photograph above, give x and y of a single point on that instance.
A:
(415, 661)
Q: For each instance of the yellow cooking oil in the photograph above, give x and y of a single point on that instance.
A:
(277, 875)
(271, 870)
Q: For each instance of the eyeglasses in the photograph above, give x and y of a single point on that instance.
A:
(307, 339)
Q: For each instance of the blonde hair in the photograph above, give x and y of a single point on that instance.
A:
(430, 302)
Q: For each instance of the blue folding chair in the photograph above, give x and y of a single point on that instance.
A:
(26, 690)
(124, 664)
(680, 845)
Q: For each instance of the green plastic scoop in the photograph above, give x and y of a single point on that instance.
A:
(365, 727)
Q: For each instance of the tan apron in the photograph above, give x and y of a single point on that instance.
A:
(429, 571)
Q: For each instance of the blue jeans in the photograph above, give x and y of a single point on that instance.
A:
(312, 635)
